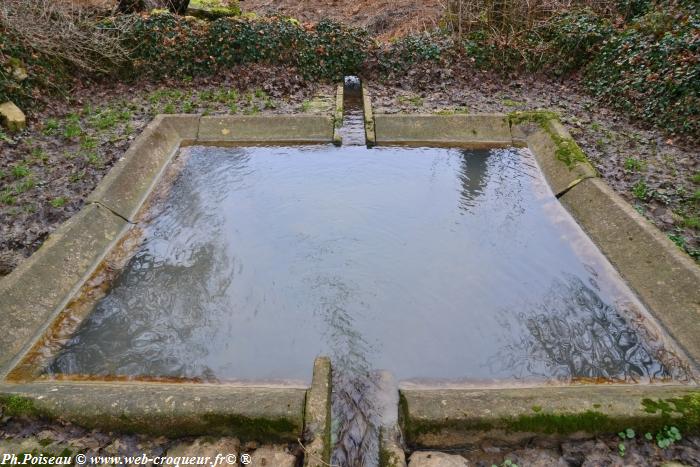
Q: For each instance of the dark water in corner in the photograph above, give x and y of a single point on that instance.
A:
(434, 264)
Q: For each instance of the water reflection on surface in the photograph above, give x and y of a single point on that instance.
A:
(572, 334)
(435, 264)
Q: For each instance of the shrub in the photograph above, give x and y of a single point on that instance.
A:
(571, 39)
(166, 44)
(405, 52)
(651, 69)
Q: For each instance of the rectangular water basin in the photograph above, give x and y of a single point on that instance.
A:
(440, 265)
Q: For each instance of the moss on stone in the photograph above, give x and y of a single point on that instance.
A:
(453, 111)
(387, 458)
(589, 421)
(540, 117)
(566, 150)
(16, 406)
(683, 412)
(267, 429)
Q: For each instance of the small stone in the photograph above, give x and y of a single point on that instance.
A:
(250, 446)
(18, 445)
(12, 118)
(115, 448)
(436, 459)
(537, 458)
(273, 456)
(202, 447)
(19, 74)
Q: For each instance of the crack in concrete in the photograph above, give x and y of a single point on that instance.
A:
(113, 212)
(571, 185)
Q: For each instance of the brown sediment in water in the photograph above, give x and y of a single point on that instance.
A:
(69, 320)
(72, 316)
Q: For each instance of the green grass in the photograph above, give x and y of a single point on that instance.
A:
(24, 185)
(6, 197)
(58, 202)
(188, 107)
(634, 165)
(679, 240)
(640, 190)
(459, 110)
(268, 103)
(165, 95)
(108, 118)
(72, 128)
(415, 101)
(20, 171)
(512, 103)
(93, 158)
(76, 176)
(696, 178)
(692, 222)
(51, 127)
(39, 154)
(88, 142)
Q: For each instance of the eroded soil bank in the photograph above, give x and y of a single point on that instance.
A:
(385, 18)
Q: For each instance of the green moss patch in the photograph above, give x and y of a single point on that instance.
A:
(683, 412)
(566, 150)
(17, 406)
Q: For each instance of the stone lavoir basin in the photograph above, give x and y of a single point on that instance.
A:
(439, 265)
(474, 261)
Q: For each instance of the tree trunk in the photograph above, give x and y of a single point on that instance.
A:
(131, 6)
(135, 6)
(178, 6)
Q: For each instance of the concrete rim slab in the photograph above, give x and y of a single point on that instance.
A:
(34, 293)
(275, 414)
(453, 418)
(295, 129)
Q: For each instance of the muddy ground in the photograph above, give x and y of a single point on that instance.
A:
(598, 452)
(20, 435)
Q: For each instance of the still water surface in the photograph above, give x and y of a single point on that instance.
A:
(434, 264)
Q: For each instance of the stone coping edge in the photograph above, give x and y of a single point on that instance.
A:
(34, 293)
(164, 409)
(338, 115)
(370, 123)
(317, 416)
(443, 418)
